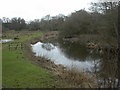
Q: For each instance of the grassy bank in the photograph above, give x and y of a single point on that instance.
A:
(21, 69)
(21, 36)
(18, 71)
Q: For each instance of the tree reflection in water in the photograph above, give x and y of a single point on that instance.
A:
(106, 65)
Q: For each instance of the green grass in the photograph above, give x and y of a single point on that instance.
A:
(28, 37)
(22, 35)
(19, 72)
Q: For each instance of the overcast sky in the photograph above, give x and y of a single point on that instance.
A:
(36, 9)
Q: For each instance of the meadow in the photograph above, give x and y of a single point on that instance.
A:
(17, 70)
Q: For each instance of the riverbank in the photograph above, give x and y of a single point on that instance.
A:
(71, 78)
(92, 41)
(21, 68)
(18, 71)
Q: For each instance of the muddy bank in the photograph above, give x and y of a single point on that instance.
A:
(68, 78)
(44, 63)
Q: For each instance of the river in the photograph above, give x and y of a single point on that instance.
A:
(5, 40)
(103, 65)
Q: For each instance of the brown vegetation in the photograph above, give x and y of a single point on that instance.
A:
(66, 78)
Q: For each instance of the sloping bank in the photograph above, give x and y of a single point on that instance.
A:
(17, 69)
(66, 78)
(21, 69)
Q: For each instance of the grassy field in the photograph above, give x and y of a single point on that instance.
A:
(18, 71)
(22, 35)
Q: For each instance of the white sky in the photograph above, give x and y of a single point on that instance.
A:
(36, 9)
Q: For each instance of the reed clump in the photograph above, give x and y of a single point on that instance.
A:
(78, 79)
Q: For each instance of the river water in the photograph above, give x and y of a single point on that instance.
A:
(5, 40)
(56, 54)
(103, 65)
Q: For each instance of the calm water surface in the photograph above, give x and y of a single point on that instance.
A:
(103, 65)
(5, 40)
(59, 55)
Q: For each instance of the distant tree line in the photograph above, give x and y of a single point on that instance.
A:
(101, 20)
(46, 23)
(13, 24)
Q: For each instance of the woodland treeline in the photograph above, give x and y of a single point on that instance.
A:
(102, 19)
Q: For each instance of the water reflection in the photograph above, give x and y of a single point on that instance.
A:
(78, 51)
(105, 66)
(5, 40)
(59, 56)
(48, 46)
